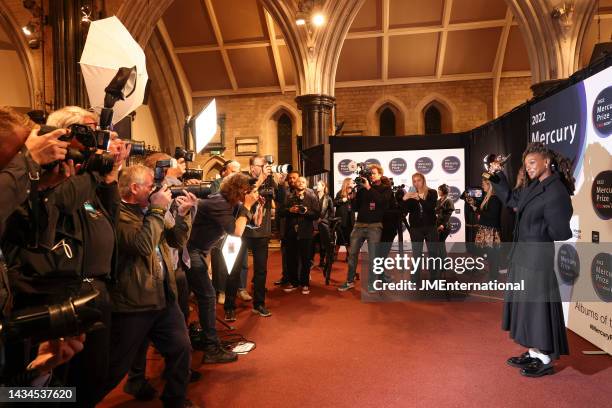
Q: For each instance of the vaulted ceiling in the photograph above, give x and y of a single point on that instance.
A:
(224, 47)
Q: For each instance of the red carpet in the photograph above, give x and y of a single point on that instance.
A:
(330, 349)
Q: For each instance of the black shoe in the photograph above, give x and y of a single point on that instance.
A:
(521, 361)
(281, 282)
(218, 355)
(262, 311)
(194, 376)
(142, 391)
(230, 315)
(537, 369)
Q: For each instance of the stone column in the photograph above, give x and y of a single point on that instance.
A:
(316, 118)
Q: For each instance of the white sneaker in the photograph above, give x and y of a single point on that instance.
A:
(305, 290)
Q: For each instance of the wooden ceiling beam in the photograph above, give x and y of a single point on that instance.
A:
(499, 61)
(448, 5)
(278, 63)
(217, 30)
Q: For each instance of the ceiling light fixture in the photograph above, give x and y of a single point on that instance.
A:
(309, 14)
(318, 19)
(28, 29)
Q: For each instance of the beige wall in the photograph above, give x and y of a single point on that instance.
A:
(13, 82)
(469, 101)
(143, 126)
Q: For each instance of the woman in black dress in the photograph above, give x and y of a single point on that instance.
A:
(342, 202)
(488, 233)
(534, 316)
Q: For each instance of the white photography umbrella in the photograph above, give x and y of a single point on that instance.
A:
(110, 46)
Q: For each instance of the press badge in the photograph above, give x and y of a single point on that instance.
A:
(372, 206)
(91, 210)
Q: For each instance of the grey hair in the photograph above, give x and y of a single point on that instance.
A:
(133, 174)
(69, 115)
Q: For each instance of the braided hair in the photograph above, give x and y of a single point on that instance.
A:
(558, 163)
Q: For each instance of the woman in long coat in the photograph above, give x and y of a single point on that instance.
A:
(534, 316)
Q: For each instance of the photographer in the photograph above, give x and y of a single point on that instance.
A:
(217, 264)
(282, 193)
(226, 212)
(489, 226)
(75, 249)
(137, 383)
(421, 205)
(17, 163)
(300, 210)
(256, 237)
(371, 201)
(145, 296)
(344, 210)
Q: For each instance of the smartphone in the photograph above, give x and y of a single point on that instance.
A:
(412, 189)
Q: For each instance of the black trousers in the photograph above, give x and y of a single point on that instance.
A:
(167, 331)
(219, 270)
(259, 248)
(417, 236)
(324, 239)
(201, 286)
(285, 276)
(298, 253)
(88, 369)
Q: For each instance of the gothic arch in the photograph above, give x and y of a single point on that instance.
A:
(268, 141)
(447, 110)
(212, 163)
(398, 107)
(30, 65)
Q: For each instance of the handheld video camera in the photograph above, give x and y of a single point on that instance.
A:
(363, 171)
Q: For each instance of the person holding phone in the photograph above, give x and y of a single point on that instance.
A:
(420, 203)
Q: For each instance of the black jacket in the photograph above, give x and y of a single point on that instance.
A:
(544, 210)
(490, 215)
(304, 222)
(55, 267)
(444, 210)
(344, 210)
(422, 212)
(326, 206)
(371, 204)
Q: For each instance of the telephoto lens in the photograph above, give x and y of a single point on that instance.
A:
(193, 174)
(281, 168)
(201, 190)
(138, 147)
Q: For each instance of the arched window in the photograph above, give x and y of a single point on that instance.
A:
(433, 120)
(387, 122)
(284, 133)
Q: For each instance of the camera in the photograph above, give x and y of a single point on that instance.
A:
(159, 173)
(70, 318)
(297, 200)
(474, 193)
(193, 174)
(83, 147)
(187, 155)
(201, 190)
(277, 168)
(138, 147)
(363, 171)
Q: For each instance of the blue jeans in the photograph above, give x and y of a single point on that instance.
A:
(359, 235)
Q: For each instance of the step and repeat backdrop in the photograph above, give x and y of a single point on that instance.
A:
(440, 166)
(578, 123)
